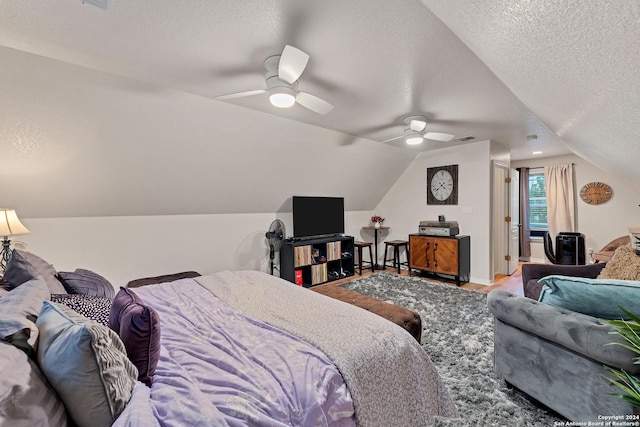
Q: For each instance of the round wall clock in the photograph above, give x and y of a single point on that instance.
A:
(596, 193)
(442, 185)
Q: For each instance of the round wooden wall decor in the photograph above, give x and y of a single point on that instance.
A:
(596, 193)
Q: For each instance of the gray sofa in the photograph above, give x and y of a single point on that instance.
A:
(556, 356)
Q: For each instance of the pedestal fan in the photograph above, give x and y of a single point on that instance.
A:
(275, 238)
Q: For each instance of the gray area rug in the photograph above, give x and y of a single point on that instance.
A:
(457, 333)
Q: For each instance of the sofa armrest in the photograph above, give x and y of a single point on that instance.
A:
(531, 273)
(578, 332)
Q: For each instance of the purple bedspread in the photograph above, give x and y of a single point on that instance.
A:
(219, 367)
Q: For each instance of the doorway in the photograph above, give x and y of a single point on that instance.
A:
(505, 219)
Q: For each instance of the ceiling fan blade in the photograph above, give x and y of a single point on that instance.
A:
(292, 63)
(417, 125)
(392, 139)
(240, 94)
(439, 136)
(313, 103)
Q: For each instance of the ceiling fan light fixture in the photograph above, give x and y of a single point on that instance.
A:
(282, 97)
(438, 136)
(413, 139)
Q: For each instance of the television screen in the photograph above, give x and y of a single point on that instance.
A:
(317, 216)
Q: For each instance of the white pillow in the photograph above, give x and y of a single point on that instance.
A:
(87, 365)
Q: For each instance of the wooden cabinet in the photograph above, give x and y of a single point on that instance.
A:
(441, 255)
(310, 262)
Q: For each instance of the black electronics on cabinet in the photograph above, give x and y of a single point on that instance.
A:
(570, 249)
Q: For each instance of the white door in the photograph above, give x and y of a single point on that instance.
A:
(514, 225)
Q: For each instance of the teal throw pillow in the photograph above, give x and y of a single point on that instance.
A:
(600, 298)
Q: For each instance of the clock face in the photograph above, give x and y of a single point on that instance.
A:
(596, 193)
(442, 184)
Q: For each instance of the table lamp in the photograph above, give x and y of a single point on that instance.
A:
(10, 225)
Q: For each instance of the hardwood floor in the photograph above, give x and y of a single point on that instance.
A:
(511, 283)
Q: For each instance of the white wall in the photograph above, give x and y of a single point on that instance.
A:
(599, 223)
(126, 248)
(405, 204)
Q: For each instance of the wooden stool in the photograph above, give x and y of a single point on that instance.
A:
(359, 246)
(396, 245)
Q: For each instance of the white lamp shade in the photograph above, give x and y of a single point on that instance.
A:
(10, 225)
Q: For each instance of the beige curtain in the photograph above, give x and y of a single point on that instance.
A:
(561, 202)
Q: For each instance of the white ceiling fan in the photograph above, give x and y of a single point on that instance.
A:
(283, 72)
(414, 132)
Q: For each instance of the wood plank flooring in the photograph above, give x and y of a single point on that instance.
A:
(511, 283)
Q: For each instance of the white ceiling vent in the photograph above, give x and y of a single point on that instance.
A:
(102, 4)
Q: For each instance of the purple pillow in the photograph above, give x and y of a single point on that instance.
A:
(139, 328)
(86, 282)
(24, 266)
(91, 307)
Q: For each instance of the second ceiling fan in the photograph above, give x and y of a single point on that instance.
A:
(283, 72)
(414, 132)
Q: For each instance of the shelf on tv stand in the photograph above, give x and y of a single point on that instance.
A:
(317, 259)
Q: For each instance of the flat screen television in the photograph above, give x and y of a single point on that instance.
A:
(317, 216)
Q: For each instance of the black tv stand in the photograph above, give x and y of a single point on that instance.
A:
(310, 261)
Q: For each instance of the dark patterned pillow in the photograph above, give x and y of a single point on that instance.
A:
(86, 282)
(92, 307)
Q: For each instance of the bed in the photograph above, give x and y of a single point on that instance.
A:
(228, 349)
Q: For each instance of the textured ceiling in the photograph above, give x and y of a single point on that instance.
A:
(574, 63)
(114, 96)
(376, 61)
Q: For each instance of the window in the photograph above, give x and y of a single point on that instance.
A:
(537, 203)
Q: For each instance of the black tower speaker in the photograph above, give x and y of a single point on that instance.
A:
(570, 249)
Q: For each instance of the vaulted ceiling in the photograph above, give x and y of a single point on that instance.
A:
(555, 77)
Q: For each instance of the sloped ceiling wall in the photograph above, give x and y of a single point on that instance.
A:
(78, 142)
(574, 64)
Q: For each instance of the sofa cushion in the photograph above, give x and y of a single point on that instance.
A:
(531, 273)
(595, 297)
(624, 265)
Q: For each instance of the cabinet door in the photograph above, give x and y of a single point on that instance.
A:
(419, 252)
(445, 256)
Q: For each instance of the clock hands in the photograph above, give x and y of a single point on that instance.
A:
(442, 185)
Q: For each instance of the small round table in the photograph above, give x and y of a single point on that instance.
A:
(376, 266)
